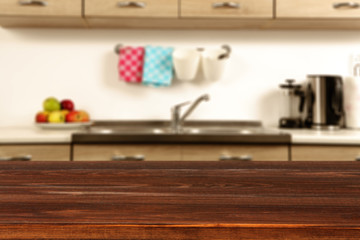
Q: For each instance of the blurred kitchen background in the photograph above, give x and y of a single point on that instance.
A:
(81, 64)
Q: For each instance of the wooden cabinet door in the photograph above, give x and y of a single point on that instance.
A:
(52, 8)
(230, 9)
(317, 9)
(211, 152)
(35, 152)
(126, 152)
(324, 153)
(41, 13)
(138, 9)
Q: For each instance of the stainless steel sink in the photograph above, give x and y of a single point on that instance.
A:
(128, 130)
(192, 132)
(220, 130)
(217, 130)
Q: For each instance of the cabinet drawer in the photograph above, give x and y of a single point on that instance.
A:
(146, 8)
(316, 9)
(53, 8)
(324, 153)
(37, 152)
(236, 9)
(150, 152)
(237, 152)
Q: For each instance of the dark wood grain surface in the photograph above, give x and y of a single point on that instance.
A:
(180, 200)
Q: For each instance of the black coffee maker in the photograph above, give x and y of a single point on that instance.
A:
(292, 105)
(324, 102)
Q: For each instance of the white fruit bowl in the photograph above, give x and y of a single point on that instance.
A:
(74, 125)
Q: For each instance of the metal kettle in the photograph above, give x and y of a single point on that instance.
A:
(324, 102)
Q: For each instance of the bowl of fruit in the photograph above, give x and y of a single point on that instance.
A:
(61, 115)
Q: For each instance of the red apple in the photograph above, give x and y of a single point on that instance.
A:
(77, 116)
(72, 116)
(42, 117)
(67, 104)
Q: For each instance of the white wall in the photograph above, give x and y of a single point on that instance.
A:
(80, 64)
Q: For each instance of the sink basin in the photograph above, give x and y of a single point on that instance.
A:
(188, 130)
(195, 129)
(221, 130)
(128, 130)
(193, 132)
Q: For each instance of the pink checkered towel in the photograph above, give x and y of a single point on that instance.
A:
(131, 64)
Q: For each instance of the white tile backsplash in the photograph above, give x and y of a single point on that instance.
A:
(81, 64)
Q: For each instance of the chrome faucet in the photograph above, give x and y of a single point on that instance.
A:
(176, 120)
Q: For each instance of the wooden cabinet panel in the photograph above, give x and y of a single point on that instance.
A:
(238, 9)
(37, 152)
(151, 152)
(146, 8)
(324, 153)
(316, 9)
(53, 8)
(246, 152)
(55, 13)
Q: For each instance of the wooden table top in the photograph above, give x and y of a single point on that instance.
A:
(180, 200)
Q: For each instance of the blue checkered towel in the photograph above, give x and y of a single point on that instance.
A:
(158, 66)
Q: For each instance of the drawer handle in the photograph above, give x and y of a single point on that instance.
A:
(16, 158)
(128, 158)
(33, 3)
(346, 5)
(226, 4)
(235, 158)
(132, 4)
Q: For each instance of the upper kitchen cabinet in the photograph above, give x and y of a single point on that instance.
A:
(319, 14)
(237, 9)
(319, 9)
(41, 13)
(182, 14)
(115, 13)
(170, 14)
(138, 9)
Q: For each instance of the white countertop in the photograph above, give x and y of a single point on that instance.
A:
(312, 136)
(34, 134)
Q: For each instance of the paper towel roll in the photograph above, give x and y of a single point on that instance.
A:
(352, 101)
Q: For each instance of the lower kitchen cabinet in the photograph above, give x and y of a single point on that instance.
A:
(35, 152)
(126, 152)
(172, 152)
(216, 152)
(325, 153)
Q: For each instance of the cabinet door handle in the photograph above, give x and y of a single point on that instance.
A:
(128, 158)
(346, 5)
(235, 158)
(131, 4)
(16, 158)
(33, 3)
(226, 5)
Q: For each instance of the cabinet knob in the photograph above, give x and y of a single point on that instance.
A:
(235, 158)
(131, 4)
(17, 158)
(128, 158)
(33, 3)
(226, 5)
(346, 5)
